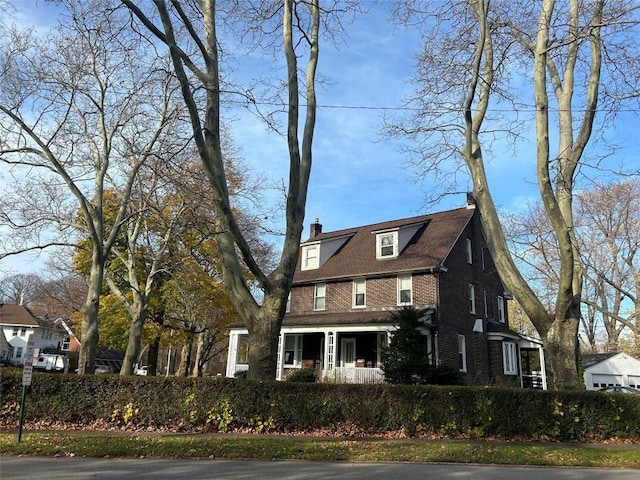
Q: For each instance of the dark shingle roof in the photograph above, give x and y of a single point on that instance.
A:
(590, 359)
(342, 318)
(427, 249)
(13, 314)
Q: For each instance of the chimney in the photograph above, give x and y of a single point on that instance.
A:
(315, 229)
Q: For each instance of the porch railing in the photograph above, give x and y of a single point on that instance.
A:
(354, 375)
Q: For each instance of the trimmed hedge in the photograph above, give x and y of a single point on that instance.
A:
(221, 404)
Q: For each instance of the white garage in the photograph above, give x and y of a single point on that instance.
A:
(610, 369)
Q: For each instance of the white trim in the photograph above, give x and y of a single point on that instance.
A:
(462, 350)
(394, 244)
(472, 298)
(501, 310)
(469, 251)
(357, 291)
(317, 297)
(399, 281)
(310, 256)
(510, 358)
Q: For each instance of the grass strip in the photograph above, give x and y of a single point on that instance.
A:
(296, 448)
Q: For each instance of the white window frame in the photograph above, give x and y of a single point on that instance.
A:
(288, 305)
(19, 352)
(310, 257)
(486, 305)
(296, 356)
(400, 280)
(462, 353)
(469, 251)
(510, 358)
(394, 245)
(359, 288)
(501, 316)
(320, 297)
(472, 298)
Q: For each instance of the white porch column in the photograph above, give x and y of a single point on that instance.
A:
(279, 361)
(231, 355)
(329, 353)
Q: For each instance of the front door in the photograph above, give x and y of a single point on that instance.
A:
(348, 352)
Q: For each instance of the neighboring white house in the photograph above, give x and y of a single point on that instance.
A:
(6, 352)
(610, 369)
(18, 322)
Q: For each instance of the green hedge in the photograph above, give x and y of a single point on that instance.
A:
(220, 404)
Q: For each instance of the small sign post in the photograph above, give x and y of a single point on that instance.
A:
(27, 371)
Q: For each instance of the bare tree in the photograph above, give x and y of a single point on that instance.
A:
(608, 218)
(20, 288)
(472, 51)
(80, 111)
(190, 32)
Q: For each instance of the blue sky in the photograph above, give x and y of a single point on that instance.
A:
(358, 177)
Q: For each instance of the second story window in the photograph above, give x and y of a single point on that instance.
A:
(501, 316)
(359, 293)
(15, 331)
(387, 245)
(288, 306)
(472, 299)
(23, 331)
(320, 296)
(469, 251)
(310, 257)
(404, 290)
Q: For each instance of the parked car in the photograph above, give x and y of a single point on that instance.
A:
(620, 389)
(103, 369)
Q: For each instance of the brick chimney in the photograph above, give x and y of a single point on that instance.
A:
(315, 229)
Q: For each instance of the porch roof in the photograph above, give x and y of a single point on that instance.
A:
(340, 318)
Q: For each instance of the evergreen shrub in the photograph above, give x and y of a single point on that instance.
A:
(228, 405)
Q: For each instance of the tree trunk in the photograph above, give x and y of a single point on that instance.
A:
(562, 355)
(197, 362)
(90, 336)
(152, 356)
(135, 332)
(263, 340)
(185, 360)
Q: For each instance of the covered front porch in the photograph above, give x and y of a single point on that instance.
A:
(342, 354)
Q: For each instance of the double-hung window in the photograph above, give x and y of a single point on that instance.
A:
(462, 353)
(509, 357)
(19, 352)
(359, 293)
(320, 296)
(387, 245)
(293, 350)
(469, 251)
(405, 296)
(501, 316)
(310, 257)
(472, 298)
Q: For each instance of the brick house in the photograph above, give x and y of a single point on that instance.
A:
(349, 282)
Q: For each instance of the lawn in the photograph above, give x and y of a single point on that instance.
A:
(283, 447)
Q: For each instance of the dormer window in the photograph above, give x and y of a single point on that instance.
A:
(310, 257)
(387, 245)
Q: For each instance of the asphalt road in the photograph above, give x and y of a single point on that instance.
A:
(28, 468)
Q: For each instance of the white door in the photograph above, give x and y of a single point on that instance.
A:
(348, 352)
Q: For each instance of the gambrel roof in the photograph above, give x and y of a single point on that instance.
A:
(429, 241)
